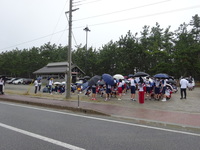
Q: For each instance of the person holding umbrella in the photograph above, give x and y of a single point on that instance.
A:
(141, 90)
(120, 84)
(133, 88)
(148, 88)
(109, 80)
(108, 91)
(94, 92)
(163, 88)
(157, 89)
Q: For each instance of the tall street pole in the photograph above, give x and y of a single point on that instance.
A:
(86, 29)
(68, 80)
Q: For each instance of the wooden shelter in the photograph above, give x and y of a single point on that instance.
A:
(57, 70)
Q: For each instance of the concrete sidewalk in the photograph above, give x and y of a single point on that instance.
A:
(153, 113)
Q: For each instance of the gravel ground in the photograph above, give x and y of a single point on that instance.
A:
(191, 104)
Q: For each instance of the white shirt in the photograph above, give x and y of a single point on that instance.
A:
(1, 81)
(140, 87)
(183, 83)
(36, 83)
(148, 83)
(50, 82)
(133, 82)
(120, 84)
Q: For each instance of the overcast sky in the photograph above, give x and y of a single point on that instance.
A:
(28, 23)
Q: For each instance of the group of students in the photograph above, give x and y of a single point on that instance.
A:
(146, 87)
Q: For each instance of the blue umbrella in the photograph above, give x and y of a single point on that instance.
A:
(39, 78)
(85, 86)
(161, 75)
(108, 79)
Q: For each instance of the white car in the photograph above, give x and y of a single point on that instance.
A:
(10, 81)
(19, 81)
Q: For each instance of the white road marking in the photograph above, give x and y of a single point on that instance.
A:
(102, 119)
(59, 143)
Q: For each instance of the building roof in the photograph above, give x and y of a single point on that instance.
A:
(56, 67)
(56, 64)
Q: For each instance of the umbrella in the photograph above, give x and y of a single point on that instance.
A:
(79, 82)
(39, 78)
(63, 82)
(171, 88)
(94, 80)
(130, 75)
(141, 74)
(84, 86)
(57, 83)
(118, 76)
(108, 79)
(171, 81)
(161, 75)
(4, 77)
(101, 82)
(86, 77)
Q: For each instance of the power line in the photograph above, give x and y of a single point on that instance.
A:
(36, 39)
(79, 2)
(122, 10)
(145, 16)
(58, 20)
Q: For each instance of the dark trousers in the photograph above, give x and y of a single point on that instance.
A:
(1, 89)
(39, 87)
(183, 91)
(36, 89)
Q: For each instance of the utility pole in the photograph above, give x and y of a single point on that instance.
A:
(69, 59)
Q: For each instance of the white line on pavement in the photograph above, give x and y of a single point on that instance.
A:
(59, 143)
(102, 119)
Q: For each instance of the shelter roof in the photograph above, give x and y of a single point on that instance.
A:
(56, 67)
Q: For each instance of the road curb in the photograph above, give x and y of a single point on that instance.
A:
(75, 109)
(160, 124)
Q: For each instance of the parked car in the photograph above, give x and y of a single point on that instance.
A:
(19, 81)
(11, 80)
(27, 81)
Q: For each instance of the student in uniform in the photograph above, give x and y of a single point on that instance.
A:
(1, 86)
(133, 88)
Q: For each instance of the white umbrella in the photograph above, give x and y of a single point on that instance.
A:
(57, 83)
(79, 82)
(118, 76)
(63, 82)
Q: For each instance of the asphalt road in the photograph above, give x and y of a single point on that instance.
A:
(24, 127)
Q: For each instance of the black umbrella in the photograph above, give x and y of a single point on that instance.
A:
(130, 75)
(141, 74)
(100, 82)
(86, 77)
(94, 80)
(4, 77)
(161, 75)
(171, 81)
